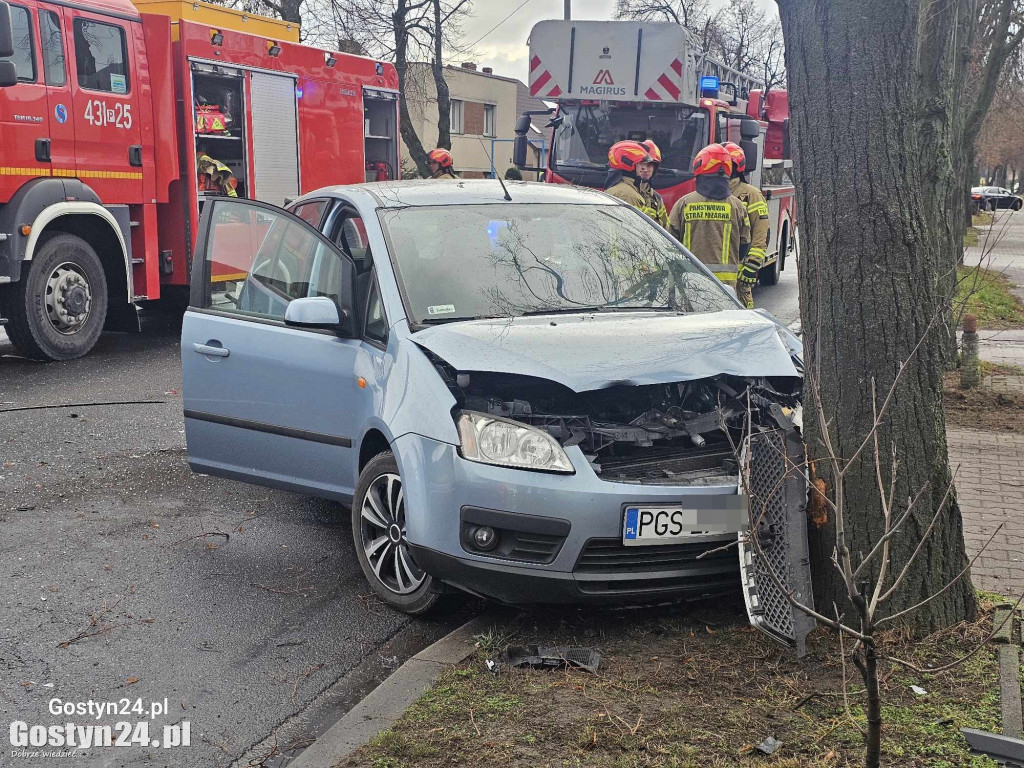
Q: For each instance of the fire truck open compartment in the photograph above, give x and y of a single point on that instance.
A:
(380, 133)
(219, 118)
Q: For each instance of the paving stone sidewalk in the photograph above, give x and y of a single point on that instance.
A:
(990, 488)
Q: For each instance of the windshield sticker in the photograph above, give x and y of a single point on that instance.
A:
(118, 84)
(441, 309)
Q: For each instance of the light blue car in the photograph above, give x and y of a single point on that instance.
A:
(542, 399)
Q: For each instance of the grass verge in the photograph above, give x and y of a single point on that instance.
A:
(985, 293)
(677, 691)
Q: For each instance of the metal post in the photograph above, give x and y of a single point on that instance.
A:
(568, 10)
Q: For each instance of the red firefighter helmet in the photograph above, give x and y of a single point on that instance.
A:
(442, 157)
(713, 159)
(739, 157)
(653, 151)
(627, 155)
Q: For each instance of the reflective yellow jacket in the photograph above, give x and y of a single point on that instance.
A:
(712, 230)
(757, 215)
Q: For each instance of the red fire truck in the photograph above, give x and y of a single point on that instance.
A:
(104, 107)
(615, 80)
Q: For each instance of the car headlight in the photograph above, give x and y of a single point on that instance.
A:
(492, 440)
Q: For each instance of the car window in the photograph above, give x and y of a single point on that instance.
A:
(311, 212)
(376, 326)
(24, 56)
(258, 260)
(101, 56)
(53, 48)
(462, 261)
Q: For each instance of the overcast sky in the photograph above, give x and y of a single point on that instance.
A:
(504, 49)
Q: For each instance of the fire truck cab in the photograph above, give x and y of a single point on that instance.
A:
(615, 80)
(105, 107)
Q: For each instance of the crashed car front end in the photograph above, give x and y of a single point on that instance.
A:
(598, 460)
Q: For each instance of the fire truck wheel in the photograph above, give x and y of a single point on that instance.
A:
(378, 531)
(61, 302)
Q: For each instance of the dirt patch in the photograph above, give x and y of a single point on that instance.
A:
(990, 408)
(681, 691)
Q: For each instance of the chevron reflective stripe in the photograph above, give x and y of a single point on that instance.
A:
(668, 85)
(540, 78)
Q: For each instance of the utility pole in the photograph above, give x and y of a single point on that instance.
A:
(568, 9)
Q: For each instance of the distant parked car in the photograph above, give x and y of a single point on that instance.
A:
(534, 398)
(991, 198)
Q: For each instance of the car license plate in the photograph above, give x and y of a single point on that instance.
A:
(673, 523)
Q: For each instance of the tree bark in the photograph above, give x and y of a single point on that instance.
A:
(400, 20)
(444, 104)
(871, 163)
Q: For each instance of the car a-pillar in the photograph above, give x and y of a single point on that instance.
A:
(69, 267)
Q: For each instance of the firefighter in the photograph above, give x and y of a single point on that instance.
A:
(214, 176)
(625, 159)
(710, 222)
(757, 215)
(441, 162)
(654, 204)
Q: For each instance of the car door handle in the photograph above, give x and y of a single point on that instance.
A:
(206, 349)
(43, 150)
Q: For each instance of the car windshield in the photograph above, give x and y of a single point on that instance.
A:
(588, 130)
(475, 261)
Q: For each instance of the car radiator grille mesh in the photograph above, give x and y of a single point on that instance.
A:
(778, 499)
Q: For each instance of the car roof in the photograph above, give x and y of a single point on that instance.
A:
(420, 192)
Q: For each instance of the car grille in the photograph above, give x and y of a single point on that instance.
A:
(611, 556)
(607, 567)
(534, 547)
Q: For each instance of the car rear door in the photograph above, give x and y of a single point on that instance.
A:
(265, 402)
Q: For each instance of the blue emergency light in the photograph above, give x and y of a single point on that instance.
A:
(709, 86)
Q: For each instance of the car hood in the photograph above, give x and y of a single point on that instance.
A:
(594, 351)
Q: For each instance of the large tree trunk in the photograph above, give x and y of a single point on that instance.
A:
(871, 187)
(399, 20)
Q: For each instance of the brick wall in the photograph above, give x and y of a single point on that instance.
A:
(473, 118)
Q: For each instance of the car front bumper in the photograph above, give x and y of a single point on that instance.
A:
(561, 534)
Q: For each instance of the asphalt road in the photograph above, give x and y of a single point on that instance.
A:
(782, 300)
(127, 576)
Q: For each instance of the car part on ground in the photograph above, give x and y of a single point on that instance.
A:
(542, 657)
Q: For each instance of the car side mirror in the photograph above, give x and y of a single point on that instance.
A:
(315, 312)
(522, 125)
(8, 74)
(6, 31)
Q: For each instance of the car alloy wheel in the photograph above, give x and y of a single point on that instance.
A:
(382, 530)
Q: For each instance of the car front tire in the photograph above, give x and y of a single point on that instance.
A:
(1017, 204)
(378, 533)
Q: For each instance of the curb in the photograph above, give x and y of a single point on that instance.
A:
(389, 700)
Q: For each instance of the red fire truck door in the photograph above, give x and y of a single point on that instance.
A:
(105, 109)
(53, 45)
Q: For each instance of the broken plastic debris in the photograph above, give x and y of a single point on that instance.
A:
(769, 746)
(918, 690)
(541, 657)
(492, 666)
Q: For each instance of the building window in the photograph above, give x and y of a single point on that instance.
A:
(102, 56)
(456, 113)
(490, 123)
